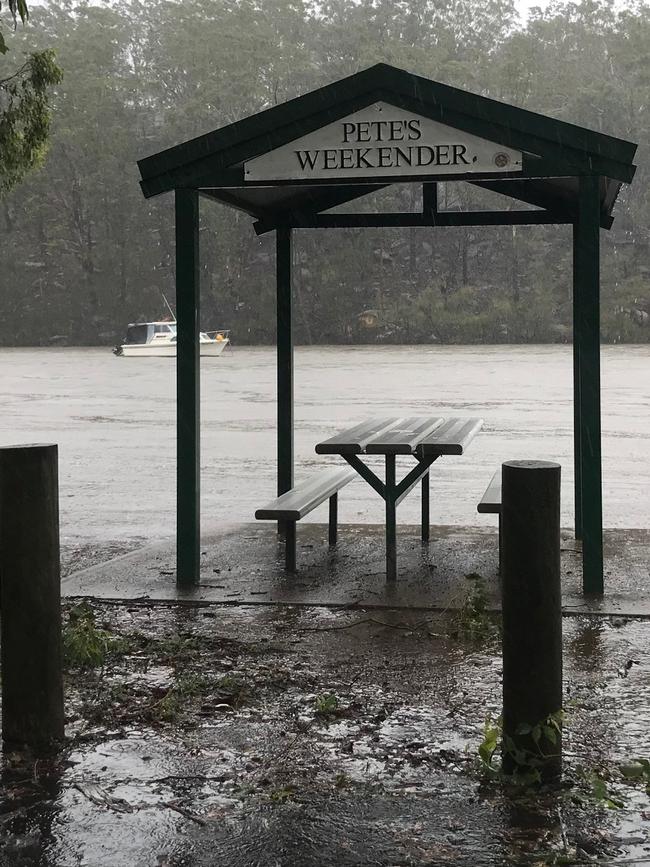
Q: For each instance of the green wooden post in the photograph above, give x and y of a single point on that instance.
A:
(188, 490)
(284, 361)
(531, 604)
(587, 290)
(577, 462)
(30, 598)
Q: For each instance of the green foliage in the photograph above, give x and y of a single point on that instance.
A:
(85, 645)
(527, 752)
(281, 796)
(24, 108)
(599, 790)
(25, 117)
(233, 690)
(326, 704)
(491, 738)
(185, 687)
(473, 621)
(143, 76)
(588, 785)
(17, 9)
(626, 317)
(188, 686)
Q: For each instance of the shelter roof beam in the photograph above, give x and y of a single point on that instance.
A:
(287, 121)
(559, 157)
(227, 197)
(167, 169)
(300, 200)
(541, 197)
(405, 220)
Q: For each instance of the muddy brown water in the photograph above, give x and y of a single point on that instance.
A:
(114, 421)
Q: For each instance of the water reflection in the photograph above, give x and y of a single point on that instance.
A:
(587, 644)
(29, 801)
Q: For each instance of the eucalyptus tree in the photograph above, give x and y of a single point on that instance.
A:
(24, 108)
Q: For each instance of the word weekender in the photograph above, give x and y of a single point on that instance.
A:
(383, 141)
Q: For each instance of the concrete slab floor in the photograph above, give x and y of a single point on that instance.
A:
(243, 564)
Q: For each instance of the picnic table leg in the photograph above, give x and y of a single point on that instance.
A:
(425, 508)
(290, 545)
(334, 518)
(500, 544)
(391, 528)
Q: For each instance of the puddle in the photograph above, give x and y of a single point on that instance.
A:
(305, 744)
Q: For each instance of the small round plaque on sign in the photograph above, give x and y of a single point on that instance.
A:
(501, 160)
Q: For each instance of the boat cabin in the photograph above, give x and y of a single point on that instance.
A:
(147, 332)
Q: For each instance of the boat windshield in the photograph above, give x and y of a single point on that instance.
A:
(136, 334)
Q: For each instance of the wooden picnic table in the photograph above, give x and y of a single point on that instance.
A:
(425, 438)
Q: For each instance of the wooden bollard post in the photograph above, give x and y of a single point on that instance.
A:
(30, 597)
(532, 617)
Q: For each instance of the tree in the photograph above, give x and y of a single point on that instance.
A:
(16, 8)
(24, 108)
(83, 252)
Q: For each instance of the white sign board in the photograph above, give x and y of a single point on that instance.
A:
(382, 141)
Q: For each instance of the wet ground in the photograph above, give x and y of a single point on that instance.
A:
(272, 736)
(114, 420)
(244, 563)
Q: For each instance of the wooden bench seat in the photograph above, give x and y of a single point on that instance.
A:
(491, 500)
(302, 499)
(450, 438)
(490, 503)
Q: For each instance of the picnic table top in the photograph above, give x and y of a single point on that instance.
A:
(421, 436)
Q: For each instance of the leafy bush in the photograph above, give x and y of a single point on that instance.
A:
(85, 645)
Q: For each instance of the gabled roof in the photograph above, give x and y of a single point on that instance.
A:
(553, 151)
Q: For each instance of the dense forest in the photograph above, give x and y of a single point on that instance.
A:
(83, 252)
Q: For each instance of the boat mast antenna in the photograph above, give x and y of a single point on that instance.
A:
(169, 307)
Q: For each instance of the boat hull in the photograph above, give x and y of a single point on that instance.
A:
(211, 349)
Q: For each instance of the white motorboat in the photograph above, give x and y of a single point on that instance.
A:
(158, 339)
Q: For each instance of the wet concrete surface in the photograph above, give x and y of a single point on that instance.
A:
(245, 564)
(314, 736)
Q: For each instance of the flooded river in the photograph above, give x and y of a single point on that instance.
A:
(114, 421)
